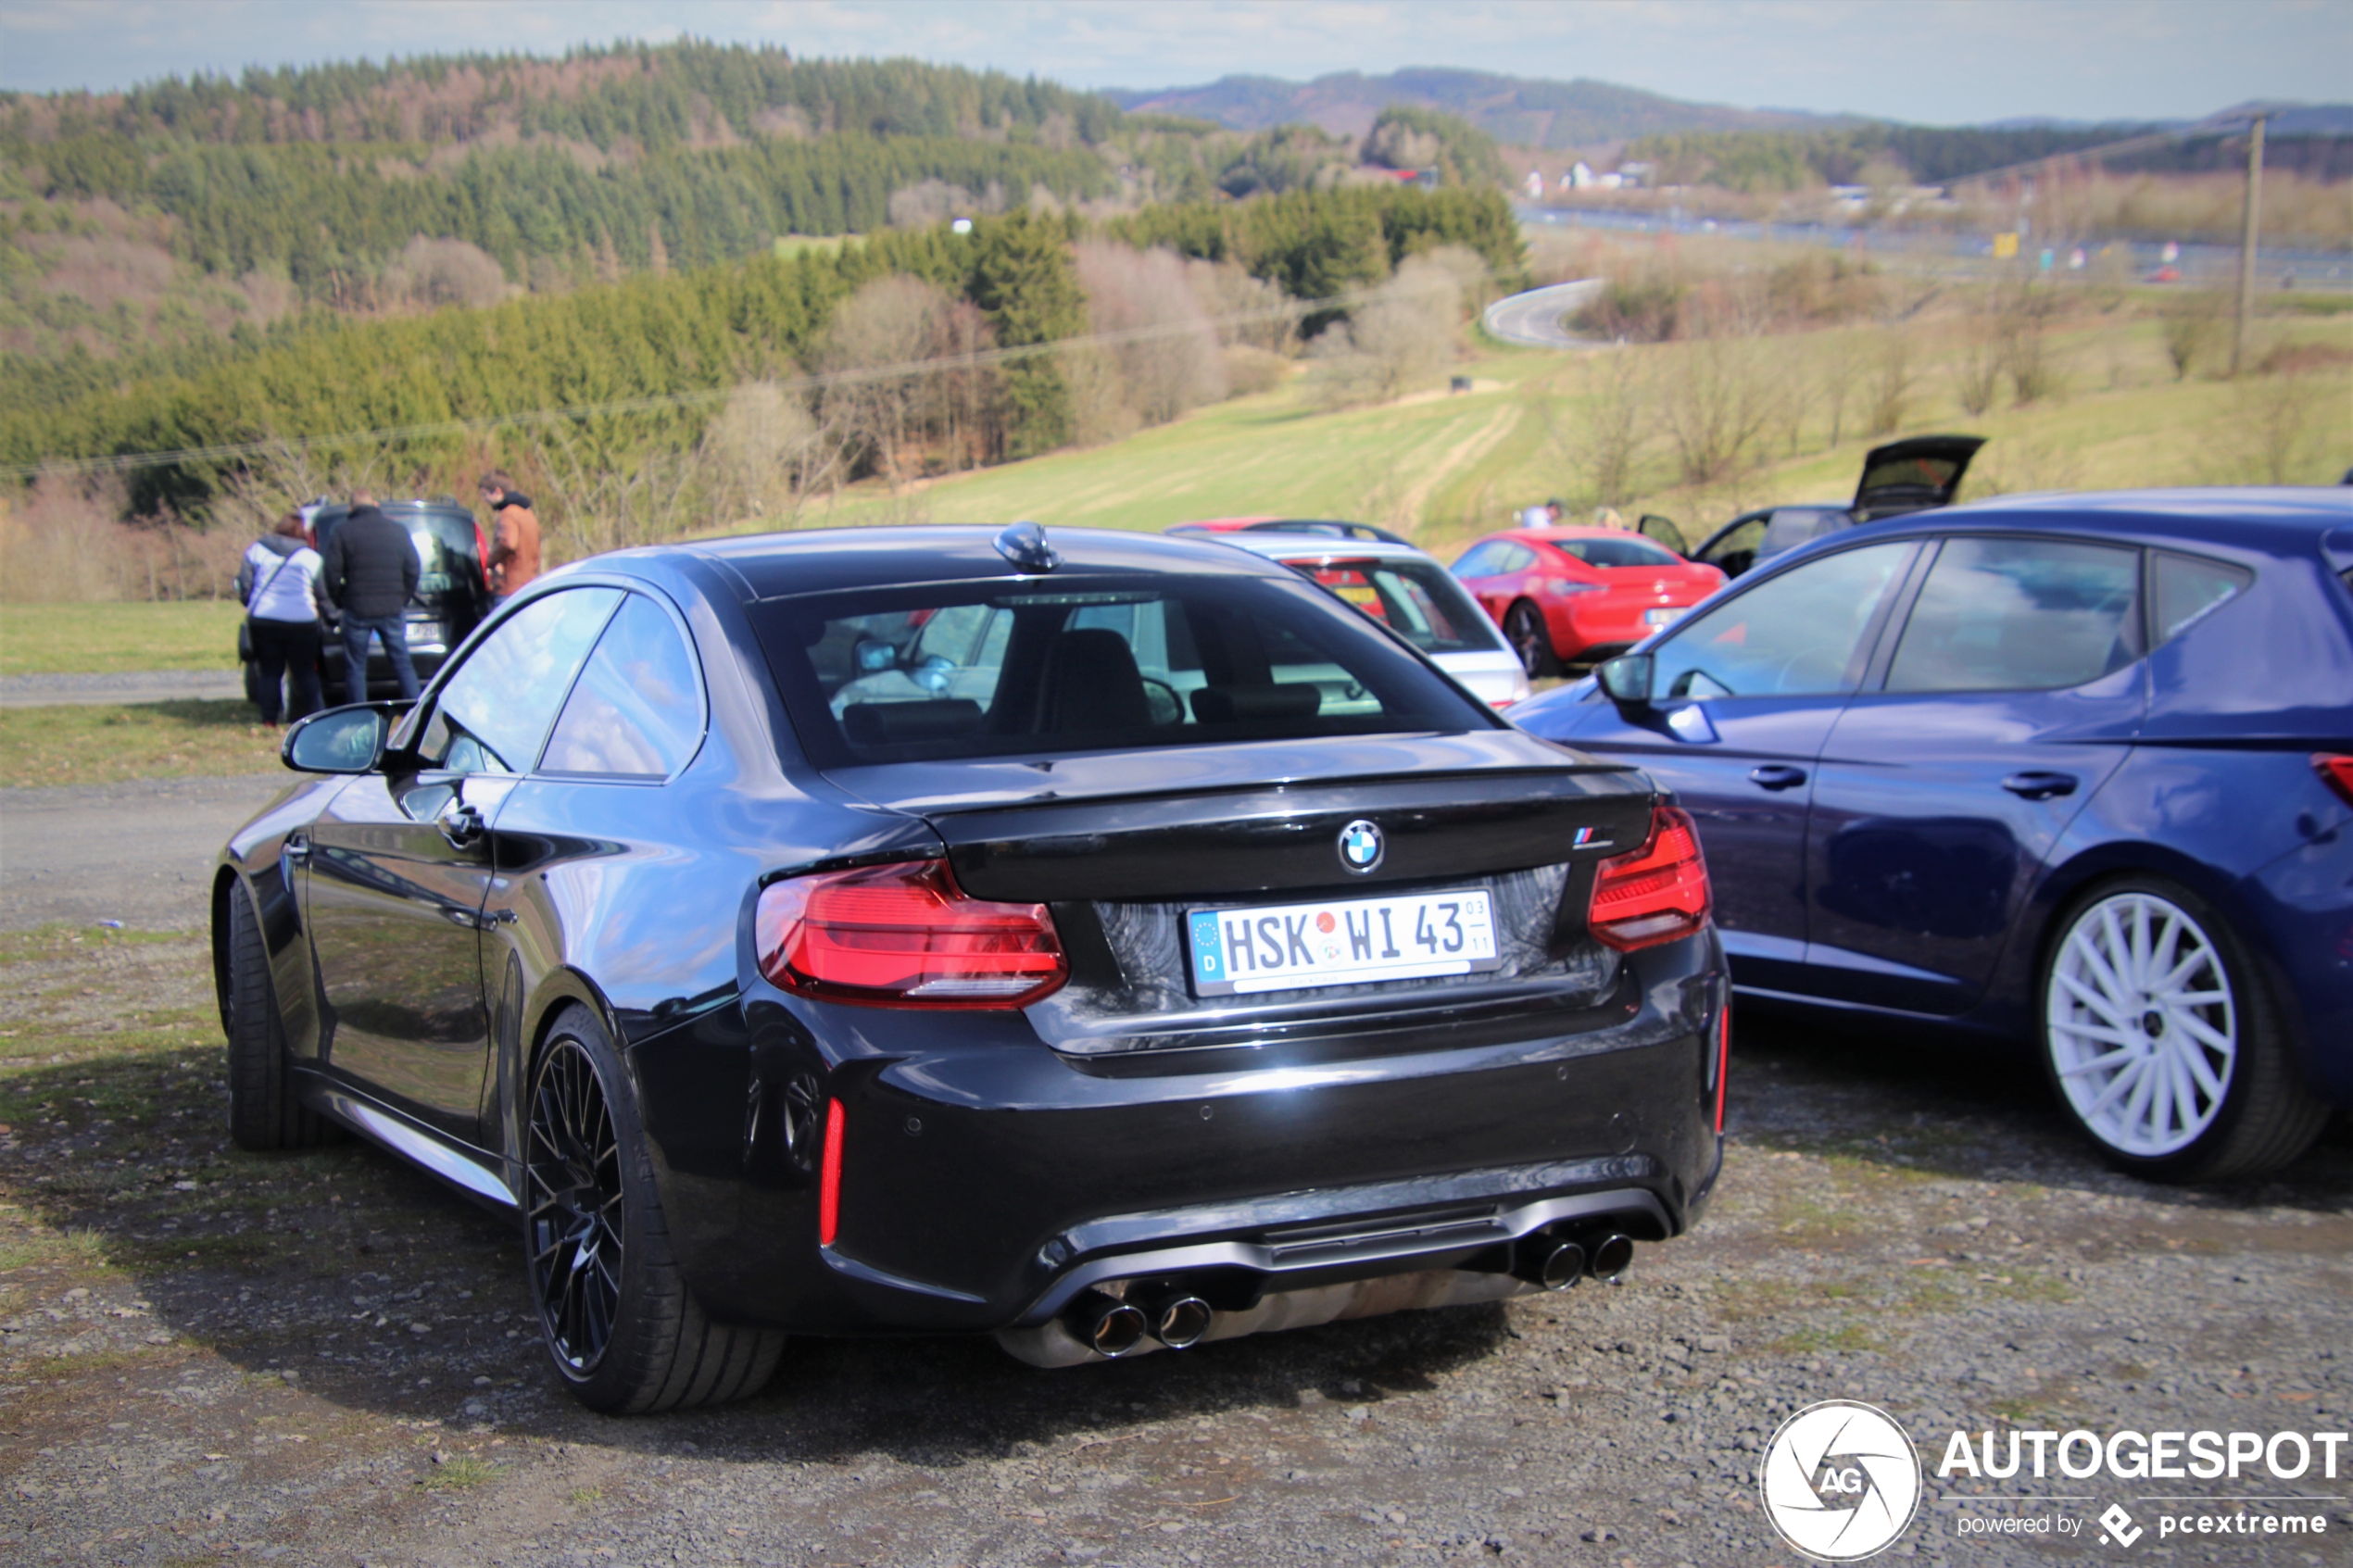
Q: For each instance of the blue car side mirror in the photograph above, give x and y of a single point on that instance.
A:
(1626, 680)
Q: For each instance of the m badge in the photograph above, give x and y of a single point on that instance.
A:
(1360, 846)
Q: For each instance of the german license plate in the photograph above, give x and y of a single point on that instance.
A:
(1661, 617)
(1341, 942)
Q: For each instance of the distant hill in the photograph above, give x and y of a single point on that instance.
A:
(1516, 110)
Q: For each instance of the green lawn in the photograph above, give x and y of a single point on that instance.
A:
(97, 639)
(100, 743)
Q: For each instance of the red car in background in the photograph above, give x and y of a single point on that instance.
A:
(1577, 595)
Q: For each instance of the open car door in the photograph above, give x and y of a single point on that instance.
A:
(1664, 530)
(1913, 475)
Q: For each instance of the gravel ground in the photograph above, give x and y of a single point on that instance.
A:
(130, 685)
(325, 1358)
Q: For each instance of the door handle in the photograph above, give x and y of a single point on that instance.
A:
(297, 848)
(1777, 776)
(460, 824)
(2036, 785)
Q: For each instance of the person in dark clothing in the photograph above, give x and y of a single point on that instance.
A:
(371, 571)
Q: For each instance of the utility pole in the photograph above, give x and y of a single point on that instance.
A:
(2247, 226)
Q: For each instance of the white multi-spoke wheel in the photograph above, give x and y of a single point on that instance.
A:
(2162, 1043)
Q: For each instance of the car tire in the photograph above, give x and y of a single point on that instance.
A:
(625, 1335)
(2221, 1096)
(263, 1111)
(1524, 628)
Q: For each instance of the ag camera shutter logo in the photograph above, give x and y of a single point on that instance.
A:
(1840, 1481)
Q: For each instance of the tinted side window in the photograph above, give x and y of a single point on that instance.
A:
(1478, 562)
(636, 710)
(2187, 588)
(1512, 558)
(1798, 635)
(1743, 540)
(495, 711)
(2019, 615)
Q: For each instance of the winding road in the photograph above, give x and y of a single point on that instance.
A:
(1534, 319)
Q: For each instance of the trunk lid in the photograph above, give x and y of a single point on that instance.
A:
(1123, 847)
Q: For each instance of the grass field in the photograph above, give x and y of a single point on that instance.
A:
(1444, 468)
(97, 639)
(103, 743)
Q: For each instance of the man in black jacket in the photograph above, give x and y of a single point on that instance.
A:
(371, 571)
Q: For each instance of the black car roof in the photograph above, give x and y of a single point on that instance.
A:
(822, 561)
(2281, 521)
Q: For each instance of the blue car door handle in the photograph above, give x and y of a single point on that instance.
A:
(1775, 776)
(2036, 785)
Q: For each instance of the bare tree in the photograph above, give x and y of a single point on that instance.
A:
(1404, 334)
(1716, 404)
(1977, 367)
(2028, 355)
(1616, 427)
(879, 403)
(2193, 330)
(1893, 378)
(757, 453)
(1163, 360)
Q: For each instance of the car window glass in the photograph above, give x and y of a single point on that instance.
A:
(636, 710)
(902, 673)
(2019, 615)
(1478, 562)
(1413, 598)
(496, 710)
(1616, 552)
(1797, 634)
(1512, 558)
(1792, 526)
(1741, 540)
(2187, 586)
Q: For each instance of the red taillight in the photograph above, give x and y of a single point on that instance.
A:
(2336, 771)
(903, 935)
(1656, 894)
(829, 1177)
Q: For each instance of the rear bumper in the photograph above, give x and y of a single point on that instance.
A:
(986, 1181)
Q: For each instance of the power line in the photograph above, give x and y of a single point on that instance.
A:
(130, 462)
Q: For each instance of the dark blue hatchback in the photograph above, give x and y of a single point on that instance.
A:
(2078, 768)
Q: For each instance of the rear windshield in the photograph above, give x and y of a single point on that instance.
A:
(448, 553)
(1419, 600)
(983, 669)
(1628, 551)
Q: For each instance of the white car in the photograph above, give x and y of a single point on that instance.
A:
(1409, 592)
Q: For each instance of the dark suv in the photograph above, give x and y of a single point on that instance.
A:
(452, 595)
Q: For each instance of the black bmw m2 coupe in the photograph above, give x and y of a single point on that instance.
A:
(1109, 942)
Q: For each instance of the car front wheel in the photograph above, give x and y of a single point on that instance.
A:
(626, 1334)
(1524, 628)
(263, 1111)
(2163, 1043)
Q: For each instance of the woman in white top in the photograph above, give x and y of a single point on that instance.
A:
(280, 586)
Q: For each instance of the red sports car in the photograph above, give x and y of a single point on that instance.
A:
(1565, 594)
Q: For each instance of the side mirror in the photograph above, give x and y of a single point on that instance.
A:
(1626, 680)
(341, 740)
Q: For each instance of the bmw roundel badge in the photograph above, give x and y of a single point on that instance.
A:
(1361, 846)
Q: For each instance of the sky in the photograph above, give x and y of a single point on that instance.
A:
(1927, 61)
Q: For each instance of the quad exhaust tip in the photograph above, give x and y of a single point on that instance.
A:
(1109, 1327)
(1180, 1321)
(1548, 1261)
(1552, 1261)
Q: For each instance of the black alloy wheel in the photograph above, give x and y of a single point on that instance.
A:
(1524, 628)
(263, 1110)
(625, 1335)
(573, 1197)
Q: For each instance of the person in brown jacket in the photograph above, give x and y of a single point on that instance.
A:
(514, 537)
